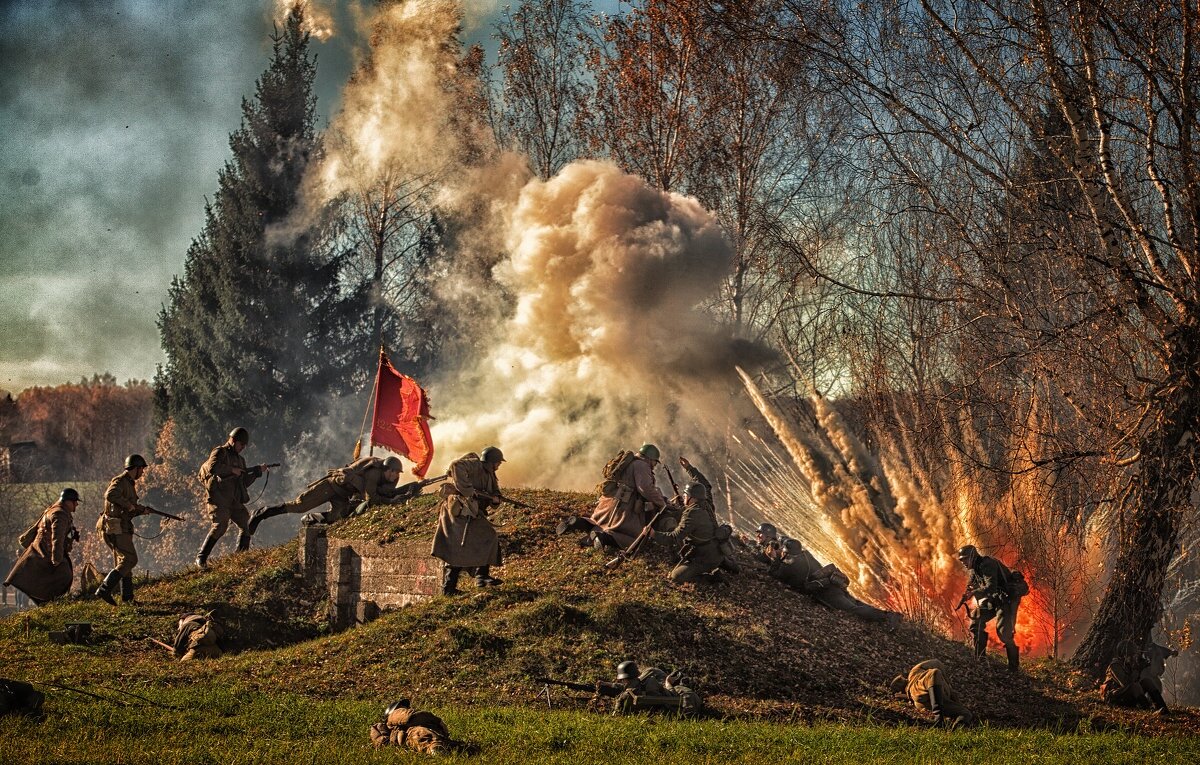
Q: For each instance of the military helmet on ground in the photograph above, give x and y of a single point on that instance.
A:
(767, 530)
(68, 495)
(627, 670)
(393, 463)
(650, 452)
(135, 461)
(241, 435)
(492, 456)
(398, 704)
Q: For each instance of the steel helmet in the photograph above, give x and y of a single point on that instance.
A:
(393, 463)
(68, 495)
(492, 456)
(241, 435)
(650, 452)
(398, 704)
(627, 670)
(967, 551)
(696, 490)
(767, 530)
(135, 461)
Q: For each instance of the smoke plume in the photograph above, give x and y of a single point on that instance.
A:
(318, 20)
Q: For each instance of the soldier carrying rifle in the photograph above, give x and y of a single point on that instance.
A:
(370, 479)
(226, 479)
(638, 690)
(116, 525)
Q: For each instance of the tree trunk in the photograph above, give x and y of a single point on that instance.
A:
(1160, 489)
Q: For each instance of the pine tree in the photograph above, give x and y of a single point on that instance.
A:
(254, 331)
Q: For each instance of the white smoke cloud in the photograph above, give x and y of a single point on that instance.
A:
(318, 20)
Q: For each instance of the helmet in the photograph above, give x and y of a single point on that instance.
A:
(135, 461)
(627, 670)
(241, 435)
(492, 455)
(767, 530)
(696, 490)
(393, 463)
(967, 551)
(398, 704)
(68, 495)
(649, 451)
(899, 684)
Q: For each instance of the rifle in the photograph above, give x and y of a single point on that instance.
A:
(629, 552)
(674, 486)
(600, 687)
(413, 488)
(160, 512)
(514, 503)
(966, 596)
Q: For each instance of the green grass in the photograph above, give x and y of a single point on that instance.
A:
(215, 725)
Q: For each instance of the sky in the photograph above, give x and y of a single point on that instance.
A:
(115, 117)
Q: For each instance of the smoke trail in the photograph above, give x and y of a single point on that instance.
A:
(318, 20)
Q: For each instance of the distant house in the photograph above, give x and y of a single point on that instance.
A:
(17, 462)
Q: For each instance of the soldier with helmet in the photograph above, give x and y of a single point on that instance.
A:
(116, 525)
(226, 480)
(771, 544)
(703, 541)
(653, 689)
(371, 480)
(997, 596)
(629, 498)
(465, 538)
(44, 571)
(413, 729)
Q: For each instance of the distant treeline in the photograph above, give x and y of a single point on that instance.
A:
(79, 431)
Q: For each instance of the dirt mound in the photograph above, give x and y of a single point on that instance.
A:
(752, 646)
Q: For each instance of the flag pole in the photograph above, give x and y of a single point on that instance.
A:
(370, 405)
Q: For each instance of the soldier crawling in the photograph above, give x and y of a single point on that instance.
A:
(197, 637)
(370, 480)
(413, 729)
(796, 567)
(928, 688)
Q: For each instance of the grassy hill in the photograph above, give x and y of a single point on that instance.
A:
(754, 649)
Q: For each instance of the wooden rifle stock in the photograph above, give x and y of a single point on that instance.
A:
(636, 545)
(160, 512)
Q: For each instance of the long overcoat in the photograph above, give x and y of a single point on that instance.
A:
(44, 570)
(465, 538)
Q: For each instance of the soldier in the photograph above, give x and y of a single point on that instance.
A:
(44, 571)
(629, 497)
(19, 698)
(413, 729)
(116, 525)
(929, 689)
(465, 538)
(197, 637)
(989, 584)
(1134, 677)
(652, 688)
(768, 540)
(827, 585)
(226, 479)
(701, 551)
(371, 480)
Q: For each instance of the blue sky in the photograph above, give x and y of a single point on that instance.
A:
(115, 117)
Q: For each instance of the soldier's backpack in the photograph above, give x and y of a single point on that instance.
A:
(1015, 584)
(613, 471)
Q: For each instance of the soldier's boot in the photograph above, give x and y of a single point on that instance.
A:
(243, 541)
(1160, 704)
(936, 704)
(572, 523)
(104, 591)
(127, 589)
(484, 579)
(210, 542)
(261, 514)
(1014, 657)
(450, 580)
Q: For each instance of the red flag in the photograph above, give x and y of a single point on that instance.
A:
(401, 414)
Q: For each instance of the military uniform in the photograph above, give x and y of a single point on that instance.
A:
(929, 689)
(825, 584)
(413, 729)
(637, 497)
(44, 570)
(465, 538)
(700, 551)
(115, 525)
(653, 690)
(19, 698)
(198, 637)
(226, 495)
(988, 584)
(1134, 678)
(343, 488)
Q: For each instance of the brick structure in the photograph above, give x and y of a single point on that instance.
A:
(365, 578)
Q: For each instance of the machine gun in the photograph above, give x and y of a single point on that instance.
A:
(600, 687)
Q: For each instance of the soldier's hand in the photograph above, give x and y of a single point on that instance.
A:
(237, 471)
(683, 463)
(264, 468)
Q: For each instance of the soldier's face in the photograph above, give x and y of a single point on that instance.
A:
(391, 475)
(138, 472)
(967, 561)
(239, 446)
(70, 504)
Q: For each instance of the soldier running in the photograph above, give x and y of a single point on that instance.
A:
(44, 571)
(226, 481)
(465, 538)
(995, 598)
(116, 525)
(371, 480)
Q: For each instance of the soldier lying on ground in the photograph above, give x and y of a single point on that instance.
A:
(825, 584)
(18, 698)
(629, 497)
(768, 542)
(371, 480)
(44, 572)
(928, 688)
(652, 689)
(465, 538)
(413, 729)
(1134, 677)
(197, 638)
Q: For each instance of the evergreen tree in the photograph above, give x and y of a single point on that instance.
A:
(255, 330)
